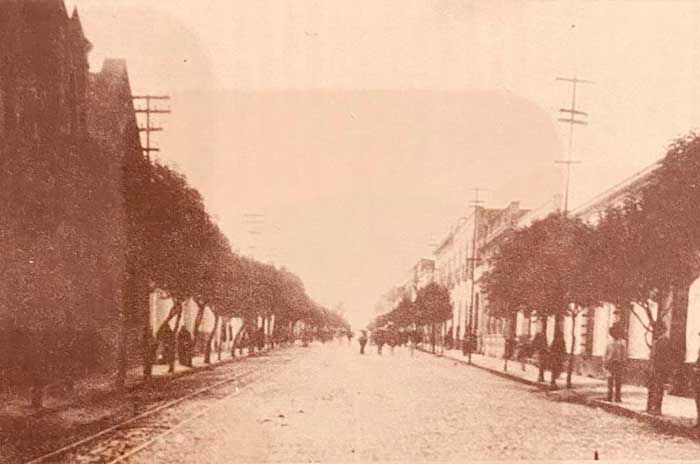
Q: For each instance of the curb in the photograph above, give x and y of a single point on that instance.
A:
(664, 424)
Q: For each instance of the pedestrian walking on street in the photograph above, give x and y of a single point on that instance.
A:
(557, 356)
(659, 369)
(614, 363)
(363, 341)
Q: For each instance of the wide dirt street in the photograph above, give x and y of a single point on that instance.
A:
(329, 404)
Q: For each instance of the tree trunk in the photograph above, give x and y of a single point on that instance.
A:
(664, 303)
(210, 338)
(236, 340)
(543, 356)
(224, 325)
(179, 318)
(151, 345)
(197, 322)
(433, 337)
(570, 367)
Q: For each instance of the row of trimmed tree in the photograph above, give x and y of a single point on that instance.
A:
(641, 256)
(430, 310)
(88, 233)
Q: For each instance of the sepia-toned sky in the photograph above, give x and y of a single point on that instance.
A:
(359, 127)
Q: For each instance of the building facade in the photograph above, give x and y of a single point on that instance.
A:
(459, 267)
(591, 327)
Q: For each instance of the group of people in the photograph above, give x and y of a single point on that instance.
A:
(392, 336)
(660, 368)
(181, 345)
(661, 362)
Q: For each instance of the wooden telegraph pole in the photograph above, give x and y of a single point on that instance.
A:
(571, 116)
(149, 110)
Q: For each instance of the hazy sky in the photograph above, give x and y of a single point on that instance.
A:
(358, 127)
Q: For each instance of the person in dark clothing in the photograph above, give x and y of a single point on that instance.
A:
(524, 349)
(363, 341)
(260, 338)
(379, 339)
(184, 347)
(167, 338)
(660, 362)
(557, 356)
(614, 363)
(539, 349)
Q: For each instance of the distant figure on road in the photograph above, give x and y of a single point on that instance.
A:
(660, 368)
(167, 338)
(379, 339)
(349, 335)
(363, 341)
(615, 357)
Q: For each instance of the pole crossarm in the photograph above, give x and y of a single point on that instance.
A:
(148, 110)
(573, 117)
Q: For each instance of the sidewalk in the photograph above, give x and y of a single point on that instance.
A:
(17, 404)
(679, 413)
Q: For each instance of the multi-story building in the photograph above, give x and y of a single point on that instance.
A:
(455, 259)
(591, 330)
(43, 70)
(418, 276)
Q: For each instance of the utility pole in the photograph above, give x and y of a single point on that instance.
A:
(473, 260)
(571, 116)
(148, 110)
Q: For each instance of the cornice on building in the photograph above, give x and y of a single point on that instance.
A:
(618, 192)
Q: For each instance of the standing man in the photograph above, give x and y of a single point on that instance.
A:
(184, 347)
(615, 357)
(363, 341)
(539, 348)
(660, 361)
(167, 337)
(557, 355)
